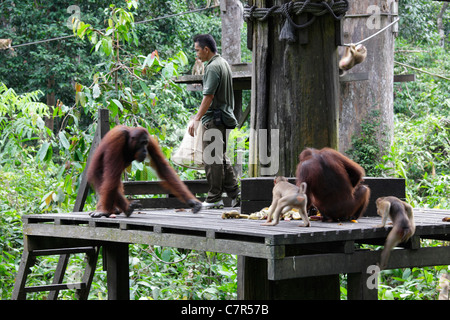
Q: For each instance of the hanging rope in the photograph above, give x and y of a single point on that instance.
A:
(286, 10)
(373, 35)
(336, 8)
(138, 22)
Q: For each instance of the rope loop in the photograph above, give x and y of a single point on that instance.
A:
(330, 10)
(337, 8)
(288, 8)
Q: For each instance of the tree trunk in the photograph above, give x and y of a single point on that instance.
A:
(232, 20)
(294, 90)
(440, 25)
(359, 99)
(49, 121)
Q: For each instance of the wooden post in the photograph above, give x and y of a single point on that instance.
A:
(21, 277)
(358, 289)
(295, 89)
(358, 99)
(102, 129)
(232, 20)
(253, 284)
(117, 270)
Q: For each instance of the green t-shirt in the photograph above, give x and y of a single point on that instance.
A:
(218, 81)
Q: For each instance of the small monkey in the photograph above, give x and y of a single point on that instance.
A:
(286, 196)
(198, 68)
(401, 214)
(208, 3)
(353, 55)
(5, 44)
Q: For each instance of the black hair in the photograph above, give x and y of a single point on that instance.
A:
(206, 40)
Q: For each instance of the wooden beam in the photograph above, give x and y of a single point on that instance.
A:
(349, 77)
(155, 187)
(336, 263)
(241, 73)
(117, 269)
(404, 77)
(102, 129)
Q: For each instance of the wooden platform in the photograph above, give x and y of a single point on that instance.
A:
(273, 262)
(207, 231)
(162, 226)
(279, 262)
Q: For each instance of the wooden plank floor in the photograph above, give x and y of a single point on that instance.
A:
(209, 224)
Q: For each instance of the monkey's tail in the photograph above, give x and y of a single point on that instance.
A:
(406, 234)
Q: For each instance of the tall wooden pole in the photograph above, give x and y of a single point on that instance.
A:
(295, 89)
(359, 99)
(232, 22)
(231, 16)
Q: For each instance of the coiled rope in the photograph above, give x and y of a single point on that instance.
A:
(336, 8)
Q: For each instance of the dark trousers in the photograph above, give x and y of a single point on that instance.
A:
(219, 173)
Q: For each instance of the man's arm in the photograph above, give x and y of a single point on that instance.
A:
(204, 106)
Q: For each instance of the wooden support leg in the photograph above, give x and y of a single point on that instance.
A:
(92, 257)
(253, 284)
(21, 278)
(252, 279)
(117, 271)
(360, 287)
(59, 275)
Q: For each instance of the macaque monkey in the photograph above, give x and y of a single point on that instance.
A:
(353, 55)
(286, 196)
(198, 68)
(208, 3)
(402, 218)
(5, 44)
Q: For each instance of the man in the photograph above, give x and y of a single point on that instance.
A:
(216, 113)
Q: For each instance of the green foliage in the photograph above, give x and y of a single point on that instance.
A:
(421, 149)
(49, 66)
(11, 244)
(428, 94)
(170, 35)
(21, 122)
(155, 273)
(418, 21)
(411, 283)
(202, 275)
(365, 148)
(421, 155)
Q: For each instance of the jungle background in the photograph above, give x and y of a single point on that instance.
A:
(50, 93)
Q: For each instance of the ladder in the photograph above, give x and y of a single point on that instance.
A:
(29, 259)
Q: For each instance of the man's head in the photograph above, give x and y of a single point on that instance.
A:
(205, 47)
